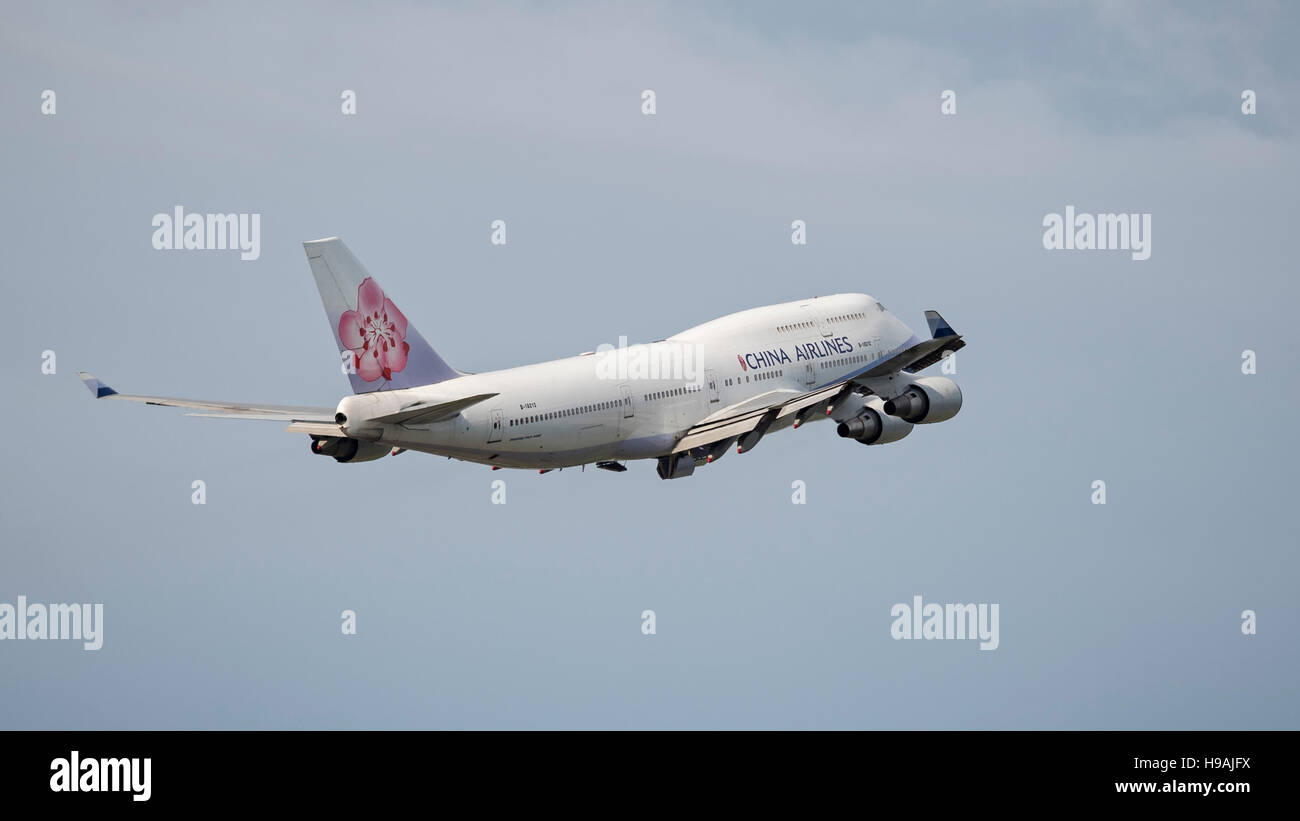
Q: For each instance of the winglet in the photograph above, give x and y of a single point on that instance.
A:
(99, 389)
(939, 326)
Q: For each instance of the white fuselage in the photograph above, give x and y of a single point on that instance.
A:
(636, 402)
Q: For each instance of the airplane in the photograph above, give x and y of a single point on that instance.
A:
(683, 401)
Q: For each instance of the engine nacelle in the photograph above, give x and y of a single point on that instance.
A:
(927, 400)
(348, 450)
(873, 426)
(676, 466)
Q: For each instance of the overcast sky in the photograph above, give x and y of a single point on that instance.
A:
(1080, 365)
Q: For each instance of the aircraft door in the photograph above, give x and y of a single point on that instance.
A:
(627, 412)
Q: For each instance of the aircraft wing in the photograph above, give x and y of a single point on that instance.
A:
(923, 354)
(216, 409)
(746, 416)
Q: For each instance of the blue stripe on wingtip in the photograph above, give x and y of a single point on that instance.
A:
(99, 389)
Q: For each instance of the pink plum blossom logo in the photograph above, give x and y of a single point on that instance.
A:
(375, 333)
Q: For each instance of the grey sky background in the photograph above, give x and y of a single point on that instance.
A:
(1079, 365)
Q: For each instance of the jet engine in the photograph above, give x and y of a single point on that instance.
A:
(929, 399)
(348, 450)
(873, 426)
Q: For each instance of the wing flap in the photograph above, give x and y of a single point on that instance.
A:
(719, 431)
(259, 417)
(809, 399)
(316, 429)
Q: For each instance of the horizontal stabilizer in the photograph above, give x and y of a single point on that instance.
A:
(427, 412)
